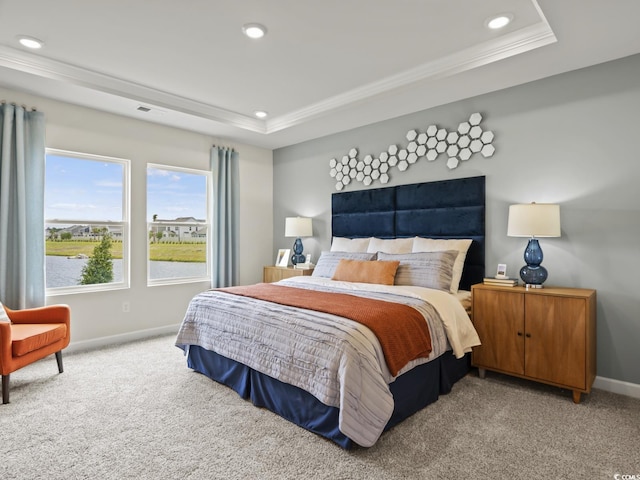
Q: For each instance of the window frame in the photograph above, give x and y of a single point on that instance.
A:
(168, 225)
(124, 225)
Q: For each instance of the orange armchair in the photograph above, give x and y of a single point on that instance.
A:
(33, 333)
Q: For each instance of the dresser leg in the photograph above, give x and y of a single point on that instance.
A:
(576, 396)
(482, 372)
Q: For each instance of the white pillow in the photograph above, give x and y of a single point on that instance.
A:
(390, 245)
(343, 244)
(442, 245)
(4, 318)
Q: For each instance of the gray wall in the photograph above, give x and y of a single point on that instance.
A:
(572, 139)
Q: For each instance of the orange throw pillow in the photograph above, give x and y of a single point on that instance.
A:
(380, 272)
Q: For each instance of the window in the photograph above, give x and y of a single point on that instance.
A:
(178, 224)
(86, 222)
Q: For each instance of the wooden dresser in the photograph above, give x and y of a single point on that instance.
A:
(547, 334)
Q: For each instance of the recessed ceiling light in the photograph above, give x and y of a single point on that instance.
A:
(254, 30)
(260, 113)
(500, 21)
(30, 42)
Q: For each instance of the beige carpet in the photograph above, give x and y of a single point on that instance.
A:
(136, 411)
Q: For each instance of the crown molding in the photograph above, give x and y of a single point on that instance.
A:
(502, 47)
(64, 72)
(499, 48)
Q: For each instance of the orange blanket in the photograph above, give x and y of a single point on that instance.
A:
(401, 330)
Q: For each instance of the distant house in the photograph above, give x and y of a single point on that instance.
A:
(77, 231)
(83, 232)
(181, 228)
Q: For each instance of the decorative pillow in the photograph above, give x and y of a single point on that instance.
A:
(328, 261)
(390, 245)
(442, 245)
(427, 269)
(4, 318)
(343, 244)
(382, 273)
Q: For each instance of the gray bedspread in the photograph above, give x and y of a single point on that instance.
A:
(337, 360)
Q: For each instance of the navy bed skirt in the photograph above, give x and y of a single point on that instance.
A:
(411, 391)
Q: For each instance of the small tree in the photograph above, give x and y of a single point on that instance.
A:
(99, 268)
(53, 233)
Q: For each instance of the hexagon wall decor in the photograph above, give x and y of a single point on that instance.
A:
(459, 145)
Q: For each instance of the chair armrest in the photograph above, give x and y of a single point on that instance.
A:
(5, 346)
(48, 314)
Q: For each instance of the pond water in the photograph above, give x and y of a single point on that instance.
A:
(66, 272)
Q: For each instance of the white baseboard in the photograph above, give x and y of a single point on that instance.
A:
(617, 386)
(121, 338)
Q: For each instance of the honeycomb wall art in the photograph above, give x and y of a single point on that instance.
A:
(458, 145)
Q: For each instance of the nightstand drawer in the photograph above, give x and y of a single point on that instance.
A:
(274, 274)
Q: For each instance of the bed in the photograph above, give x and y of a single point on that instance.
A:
(331, 375)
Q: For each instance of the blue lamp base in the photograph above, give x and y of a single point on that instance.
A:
(297, 256)
(533, 274)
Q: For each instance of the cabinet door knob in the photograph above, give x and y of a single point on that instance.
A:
(519, 334)
(528, 335)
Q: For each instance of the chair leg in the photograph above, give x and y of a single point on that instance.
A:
(59, 360)
(5, 379)
(5, 388)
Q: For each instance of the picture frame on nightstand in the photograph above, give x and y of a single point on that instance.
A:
(282, 259)
(502, 271)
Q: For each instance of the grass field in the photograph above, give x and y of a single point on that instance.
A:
(181, 252)
(169, 252)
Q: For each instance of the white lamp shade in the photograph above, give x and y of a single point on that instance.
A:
(298, 227)
(534, 220)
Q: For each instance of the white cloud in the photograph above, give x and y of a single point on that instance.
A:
(73, 206)
(108, 183)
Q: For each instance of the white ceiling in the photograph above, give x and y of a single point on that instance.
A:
(323, 67)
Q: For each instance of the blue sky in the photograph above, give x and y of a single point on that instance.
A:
(172, 194)
(80, 189)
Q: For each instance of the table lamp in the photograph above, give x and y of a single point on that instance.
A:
(534, 220)
(297, 227)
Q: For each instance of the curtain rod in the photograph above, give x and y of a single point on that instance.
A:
(223, 146)
(4, 102)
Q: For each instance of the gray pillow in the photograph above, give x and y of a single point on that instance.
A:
(424, 269)
(328, 261)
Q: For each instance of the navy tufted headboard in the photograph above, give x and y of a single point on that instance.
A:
(442, 209)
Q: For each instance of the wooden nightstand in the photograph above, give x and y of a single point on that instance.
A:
(547, 335)
(273, 274)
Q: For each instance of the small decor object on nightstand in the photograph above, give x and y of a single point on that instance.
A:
(282, 259)
(306, 265)
(501, 278)
(534, 220)
(501, 282)
(298, 227)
